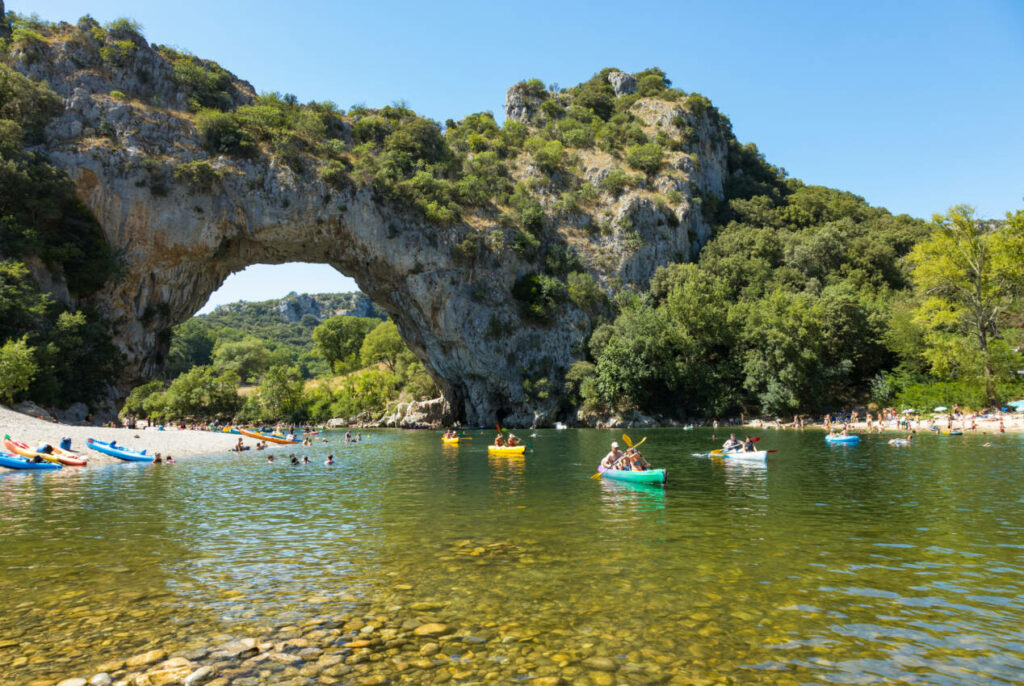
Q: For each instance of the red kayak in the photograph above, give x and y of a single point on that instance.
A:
(58, 455)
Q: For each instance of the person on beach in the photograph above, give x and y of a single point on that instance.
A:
(612, 457)
(732, 444)
(330, 460)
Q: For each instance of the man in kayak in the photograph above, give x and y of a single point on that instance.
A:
(513, 440)
(732, 444)
(612, 457)
(499, 440)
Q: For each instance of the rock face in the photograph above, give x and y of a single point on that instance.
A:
(622, 82)
(180, 243)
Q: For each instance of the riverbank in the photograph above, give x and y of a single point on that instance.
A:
(175, 442)
(1011, 424)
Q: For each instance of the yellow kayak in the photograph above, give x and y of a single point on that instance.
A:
(505, 450)
(450, 441)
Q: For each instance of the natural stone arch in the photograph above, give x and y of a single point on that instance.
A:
(126, 136)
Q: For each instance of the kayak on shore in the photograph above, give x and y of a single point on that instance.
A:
(117, 451)
(57, 455)
(15, 462)
(646, 476)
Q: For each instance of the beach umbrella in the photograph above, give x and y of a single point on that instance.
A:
(940, 408)
(909, 411)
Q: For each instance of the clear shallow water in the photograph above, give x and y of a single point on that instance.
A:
(868, 564)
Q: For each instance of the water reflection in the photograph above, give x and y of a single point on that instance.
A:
(865, 564)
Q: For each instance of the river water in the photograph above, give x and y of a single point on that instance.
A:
(864, 564)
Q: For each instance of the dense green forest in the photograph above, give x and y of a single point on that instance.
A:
(806, 299)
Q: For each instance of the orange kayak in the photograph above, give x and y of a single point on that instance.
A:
(58, 455)
(264, 437)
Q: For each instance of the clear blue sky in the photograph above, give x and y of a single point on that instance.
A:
(914, 105)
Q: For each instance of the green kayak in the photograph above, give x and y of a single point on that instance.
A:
(648, 476)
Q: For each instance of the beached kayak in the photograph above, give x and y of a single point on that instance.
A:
(22, 450)
(265, 437)
(647, 476)
(15, 462)
(505, 450)
(842, 439)
(58, 455)
(118, 452)
(450, 441)
(751, 456)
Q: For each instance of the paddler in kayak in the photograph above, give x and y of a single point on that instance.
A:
(635, 461)
(499, 440)
(513, 440)
(612, 457)
(748, 444)
(732, 444)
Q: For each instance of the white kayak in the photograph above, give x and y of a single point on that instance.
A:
(752, 456)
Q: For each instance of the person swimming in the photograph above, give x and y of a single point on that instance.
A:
(330, 460)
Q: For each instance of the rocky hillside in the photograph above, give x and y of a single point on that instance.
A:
(293, 307)
(495, 249)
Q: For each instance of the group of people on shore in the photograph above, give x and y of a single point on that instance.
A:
(629, 461)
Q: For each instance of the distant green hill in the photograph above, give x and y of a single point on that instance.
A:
(284, 325)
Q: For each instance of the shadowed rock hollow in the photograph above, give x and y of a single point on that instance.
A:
(185, 216)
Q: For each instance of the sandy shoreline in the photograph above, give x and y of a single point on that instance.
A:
(176, 442)
(1011, 424)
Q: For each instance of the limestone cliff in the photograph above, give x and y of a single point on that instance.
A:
(127, 136)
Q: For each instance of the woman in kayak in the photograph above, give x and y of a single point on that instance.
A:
(748, 444)
(499, 440)
(637, 463)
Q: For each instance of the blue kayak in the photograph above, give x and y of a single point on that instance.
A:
(842, 439)
(15, 462)
(118, 452)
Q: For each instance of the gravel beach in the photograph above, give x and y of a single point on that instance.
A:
(172, 441)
